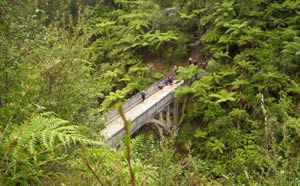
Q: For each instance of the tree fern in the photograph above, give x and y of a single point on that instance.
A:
(158, 38)
(188, 72)
(184, 91)
(239, 84)
(139, 70)
(293, 87)
(210, 36)
(139, 25)
(223, 96)
(293, 47)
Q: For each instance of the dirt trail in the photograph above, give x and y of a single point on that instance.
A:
(160, 66)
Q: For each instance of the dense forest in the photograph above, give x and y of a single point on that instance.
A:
(65, 63)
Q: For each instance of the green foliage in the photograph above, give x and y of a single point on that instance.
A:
(291, 51)
(188, 72)
(44, 140)
(260, 52)
(45, 131)
(223, 96)
(239, 124)
(292, 48)
(157, 38)
(111, 167)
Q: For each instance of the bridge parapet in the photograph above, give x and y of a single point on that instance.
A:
(132, 101)
(143, 118)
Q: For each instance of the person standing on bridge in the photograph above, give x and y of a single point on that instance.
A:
(160, 85)
(175, 70)
(170, 80)
(143, 95)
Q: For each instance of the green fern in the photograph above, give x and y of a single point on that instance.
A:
(184, 91)
(223, 96)
(188, 72)
(292, 48)
(45, 131)
(136, 142)
(158, 38)
(114, 97)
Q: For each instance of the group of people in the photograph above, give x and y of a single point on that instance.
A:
(194, 61)
(169, 80)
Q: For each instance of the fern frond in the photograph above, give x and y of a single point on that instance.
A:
(45, 131)
(292, 48)
(45, 139)
(32, 148)
(136, 142)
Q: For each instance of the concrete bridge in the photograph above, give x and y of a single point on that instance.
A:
(159, 109)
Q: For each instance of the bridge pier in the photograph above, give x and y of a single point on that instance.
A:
(175, 113)
(157, 130)
(167, 125)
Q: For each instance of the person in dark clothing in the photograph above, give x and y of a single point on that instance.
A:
(143, 95)
(170, 81)
(167, 82)
(195, 61)
(160, 85)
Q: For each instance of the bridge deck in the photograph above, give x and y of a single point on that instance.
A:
(115, 126)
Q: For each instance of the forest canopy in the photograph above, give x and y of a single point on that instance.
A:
(65, 63)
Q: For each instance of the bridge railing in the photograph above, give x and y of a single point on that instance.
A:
(142, 119)
(134, 100)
